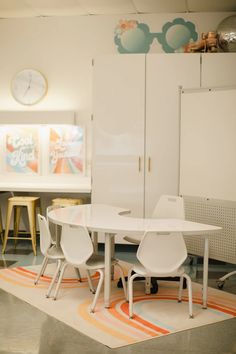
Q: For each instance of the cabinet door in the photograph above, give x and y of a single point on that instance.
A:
(118, 131)
(218, 69)
(164, 74)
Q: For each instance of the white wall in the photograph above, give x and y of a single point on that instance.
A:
(62, 48)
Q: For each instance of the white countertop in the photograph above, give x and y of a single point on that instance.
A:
(80, 187)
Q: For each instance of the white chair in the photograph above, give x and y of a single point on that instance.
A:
(78, 249)
(49, 250)
(168, 206)
(54, 229)
(55, 232)
(160, 255)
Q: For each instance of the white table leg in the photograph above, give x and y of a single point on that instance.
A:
(95, 241)
(107, 278)
(205, 272)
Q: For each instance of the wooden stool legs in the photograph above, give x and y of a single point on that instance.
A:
(32, 225)
(1, 227)
(7, 226)
(16, 203)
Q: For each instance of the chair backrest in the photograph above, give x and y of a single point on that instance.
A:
(76, 244)
(162, 253)
(169, 206)
(45, 235)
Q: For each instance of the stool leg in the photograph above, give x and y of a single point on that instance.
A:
(7, 226)
(17, 212)
(1, 226)
(38, 211)
(32, 224)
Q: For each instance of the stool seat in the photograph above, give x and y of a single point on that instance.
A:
(64, 202)
(14, 204)
(23, 199)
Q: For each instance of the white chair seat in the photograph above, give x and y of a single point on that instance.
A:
(55, 252)
(135, 240)
(140, 269)
(97, 261)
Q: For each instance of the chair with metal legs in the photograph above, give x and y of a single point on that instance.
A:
(78, 249)
(160, 256)
(168, 206)
(49, 250)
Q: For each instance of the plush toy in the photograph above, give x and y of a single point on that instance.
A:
(208, 43)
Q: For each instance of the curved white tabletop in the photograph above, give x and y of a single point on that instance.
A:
(109, 219)
(112, 220)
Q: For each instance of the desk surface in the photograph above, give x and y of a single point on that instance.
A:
(109, 219)
(46, 187)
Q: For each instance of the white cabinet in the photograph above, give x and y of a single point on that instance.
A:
(118, 131)
(136, 127)
(165, 73)
(218, 70)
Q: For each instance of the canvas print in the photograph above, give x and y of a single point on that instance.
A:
(22, 149)
(66, 150)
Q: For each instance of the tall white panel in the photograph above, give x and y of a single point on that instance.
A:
(118, 131)
(218, 69)
(164, 74)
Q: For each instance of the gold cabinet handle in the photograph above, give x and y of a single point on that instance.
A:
(149, 164)
(139, 164)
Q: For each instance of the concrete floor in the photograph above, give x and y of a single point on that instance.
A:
(25, 329)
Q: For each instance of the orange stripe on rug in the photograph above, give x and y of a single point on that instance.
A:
(125, 308)
(83, 312)
(129, 322)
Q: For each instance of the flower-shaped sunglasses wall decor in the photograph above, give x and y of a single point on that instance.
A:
(134, 37)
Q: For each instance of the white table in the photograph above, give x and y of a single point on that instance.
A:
(112, 220)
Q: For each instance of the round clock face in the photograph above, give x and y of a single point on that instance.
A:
(29, 86)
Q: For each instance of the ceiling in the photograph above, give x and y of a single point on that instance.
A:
(34, 8)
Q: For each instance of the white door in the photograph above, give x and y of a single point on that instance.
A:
(218, 69)
(165, 73)
(118, 131)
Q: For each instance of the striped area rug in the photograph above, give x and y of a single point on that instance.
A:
(155, 315)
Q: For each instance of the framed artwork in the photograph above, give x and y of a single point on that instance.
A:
(22, 149)
(66, 149)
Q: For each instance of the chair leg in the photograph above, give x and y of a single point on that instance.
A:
(128, 279)
(122, 279)
(95, 241)
(130, 287)
(101, 271)
(42, 269)
(58, 269)
(62, 270)
(91, 287)
(78, 274)
(227, 275)
(190, 296)
(181, 282)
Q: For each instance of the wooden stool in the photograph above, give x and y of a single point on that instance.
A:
(64, 202)
(16, 203)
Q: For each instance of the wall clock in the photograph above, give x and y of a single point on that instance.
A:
(29, 86)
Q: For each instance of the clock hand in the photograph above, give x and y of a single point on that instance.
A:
(28, 88)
